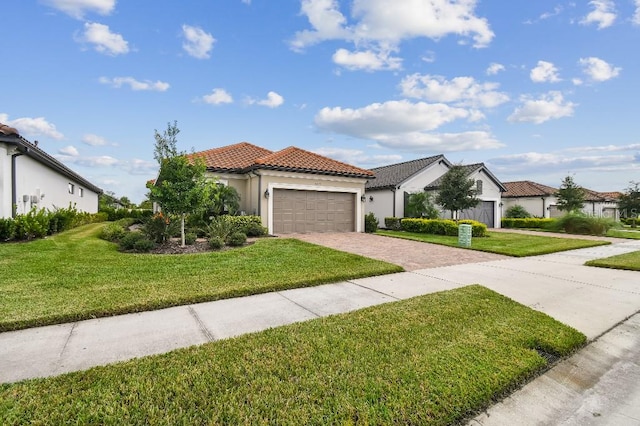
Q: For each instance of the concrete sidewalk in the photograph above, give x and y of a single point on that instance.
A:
(590, 299)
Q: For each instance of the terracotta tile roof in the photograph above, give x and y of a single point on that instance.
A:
(8, 131)
(611, 195)
(243, 156)
(394, 174)
(600, 196)
(299, 160)
(232, 158)
(526, 188)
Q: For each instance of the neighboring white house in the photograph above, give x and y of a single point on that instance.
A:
(292, 190)
(540, 200)
(387, 194)
(29, 177)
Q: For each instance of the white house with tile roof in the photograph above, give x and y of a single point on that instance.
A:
(292, 190)
(29, 177)
(387, 194)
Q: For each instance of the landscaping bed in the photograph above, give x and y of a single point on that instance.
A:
(436, 359)
(75, 275)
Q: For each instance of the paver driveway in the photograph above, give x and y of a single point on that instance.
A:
(411, 255)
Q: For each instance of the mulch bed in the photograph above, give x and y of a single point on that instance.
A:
(200, 246)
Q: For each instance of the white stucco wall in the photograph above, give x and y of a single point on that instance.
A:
(381, 205)
(536, 206)
(42, 186)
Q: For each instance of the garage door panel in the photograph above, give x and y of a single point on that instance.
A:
(484, 212)
(313, 211)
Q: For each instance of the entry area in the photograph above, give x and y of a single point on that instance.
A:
(298, 211)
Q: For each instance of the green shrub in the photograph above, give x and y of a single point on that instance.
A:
(34, 224)
(370, 223)
(578, 223)
(478, 229)
(190, 238)
(7, 229)
(236, 239)
(430, 226)
(242, 223)
(112, 232)
(517, 211)
(222, 227)
(129, 240)
(143, 245)
(531, 222)
(255, 230)
(392, 223)
(216, 243)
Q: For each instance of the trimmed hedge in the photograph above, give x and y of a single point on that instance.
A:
(246, 224)
(441, 226)
(393, 223)
(529, 222)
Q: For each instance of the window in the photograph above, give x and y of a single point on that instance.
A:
(81, 192)
(72, 188)
(479, 187)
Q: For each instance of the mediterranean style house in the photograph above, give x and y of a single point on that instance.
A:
(387, 194)
(292, 190)
(29, 177)
(540, 200)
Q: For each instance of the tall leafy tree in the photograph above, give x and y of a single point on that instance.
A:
(629, 201)
(457, 192)
(181, 187)
(570, 195)
(419, 204)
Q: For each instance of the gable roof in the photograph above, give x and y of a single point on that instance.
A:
(526, 188)
(469, 169)
(394, 174)
(244, 157)
(11, 136)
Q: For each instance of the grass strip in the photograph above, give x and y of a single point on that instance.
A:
(434, 360)
(628, 261)
(75, 275)
(509, 244)
(624, 233)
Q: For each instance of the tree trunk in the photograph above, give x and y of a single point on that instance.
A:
(182, 230)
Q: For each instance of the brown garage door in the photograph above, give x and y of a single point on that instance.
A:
(297, 211)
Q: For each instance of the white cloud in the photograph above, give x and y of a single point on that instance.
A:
(32, 126)
(404, 125)
(136, 85)
(603, 14)
(273, 100)
(94, 140)
(367, 60)
(494, 68)
(598, 70)
(544, 72)
(140, 167)
(69, 150)
(388, 22)
(218, 96)
(636, 15)
(103, 40)
(78, 8)
(463, 91)
(358, 157)
(100, 161)
(198, 43)
(548, 107)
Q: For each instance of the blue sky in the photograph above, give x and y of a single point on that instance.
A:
(536, 90)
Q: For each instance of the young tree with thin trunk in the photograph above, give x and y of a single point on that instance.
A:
(570, 196)
(457, 192)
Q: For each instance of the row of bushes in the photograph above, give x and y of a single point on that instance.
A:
(571, 223)
(157, 229)
(434, 226)
(529, 222)
(117, 214)
(40, 223)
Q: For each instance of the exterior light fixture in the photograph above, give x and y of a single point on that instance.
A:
(266, 193)
(370, 197)
(363, 198)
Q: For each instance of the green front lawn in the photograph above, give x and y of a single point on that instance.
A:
(510, 244)
(630, 233)
(435, 359)
(74, 275)
(630, 261)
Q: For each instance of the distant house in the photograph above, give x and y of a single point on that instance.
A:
(292, 190)
(540, 200)
(29, 177)
(387, 194)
